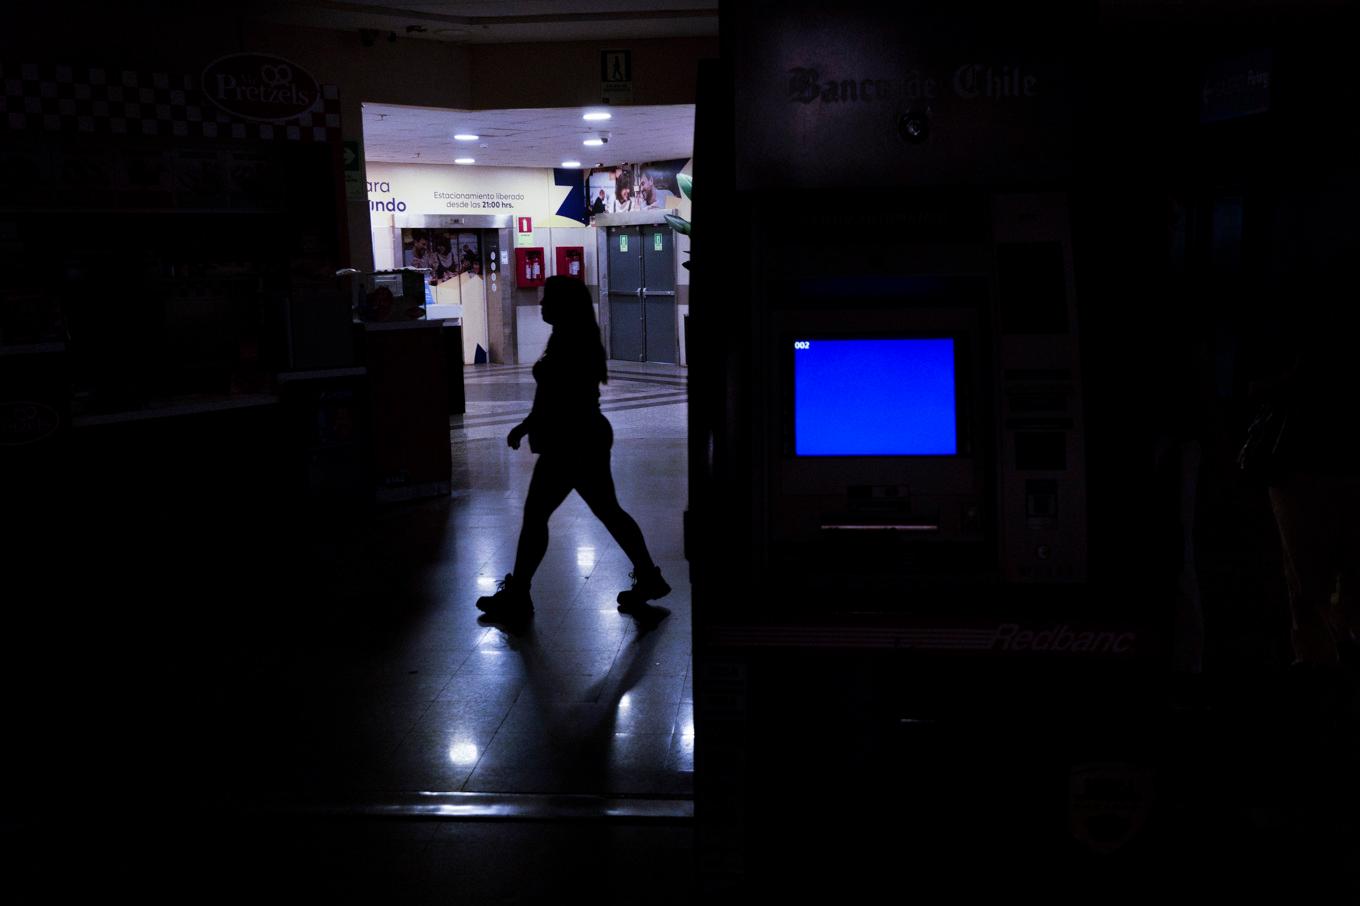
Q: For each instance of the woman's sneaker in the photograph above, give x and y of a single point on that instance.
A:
(510, 602)
(647, 586)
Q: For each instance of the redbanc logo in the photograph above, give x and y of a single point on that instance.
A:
(261, 87)
(1062, 639)
(27, 422)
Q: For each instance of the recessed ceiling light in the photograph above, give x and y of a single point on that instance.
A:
(592, 142)
(571, 163)
(465, 160)
(597, 116)
(466, 137)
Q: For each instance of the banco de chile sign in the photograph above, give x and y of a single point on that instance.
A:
(261, 87)
(968, 81)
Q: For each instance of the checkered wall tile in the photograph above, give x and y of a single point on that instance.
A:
(112, 101)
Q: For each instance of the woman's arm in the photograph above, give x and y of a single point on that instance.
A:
(530, 423)
(531, 420)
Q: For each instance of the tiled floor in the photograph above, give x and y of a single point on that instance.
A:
(406, 690)
(212, 690)
(206, 688)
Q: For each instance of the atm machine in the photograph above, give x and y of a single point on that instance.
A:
(906, 669)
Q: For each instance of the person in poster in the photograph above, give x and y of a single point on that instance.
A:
(623, 199)
(419, 253)
(646, 193)
(444, 268)
(656, 183)
(603, 186)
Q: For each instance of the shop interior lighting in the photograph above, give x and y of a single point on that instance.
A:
(597, 116)
(466, 137)
(571, 163)
(465, 160)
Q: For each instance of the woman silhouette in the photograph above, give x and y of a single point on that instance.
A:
(572, 439)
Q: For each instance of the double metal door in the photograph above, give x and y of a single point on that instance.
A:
(642, 294)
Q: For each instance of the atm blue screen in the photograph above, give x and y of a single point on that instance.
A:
(874, 397)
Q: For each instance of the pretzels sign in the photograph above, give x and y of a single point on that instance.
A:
(260, 87)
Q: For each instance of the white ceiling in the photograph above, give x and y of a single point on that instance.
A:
(528, 137)
(503, 21)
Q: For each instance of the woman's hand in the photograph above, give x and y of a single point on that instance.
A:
(516, 434)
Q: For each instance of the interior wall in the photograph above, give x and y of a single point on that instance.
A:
(568, 74)
(422, 73)
(406, 71)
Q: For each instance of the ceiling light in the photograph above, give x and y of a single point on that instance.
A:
(571, 163)
(465, 160)
(593, 142)
(466, 137)
(596, 117)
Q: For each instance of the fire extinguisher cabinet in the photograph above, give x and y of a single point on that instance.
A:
(530, 267)
(571, 262)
